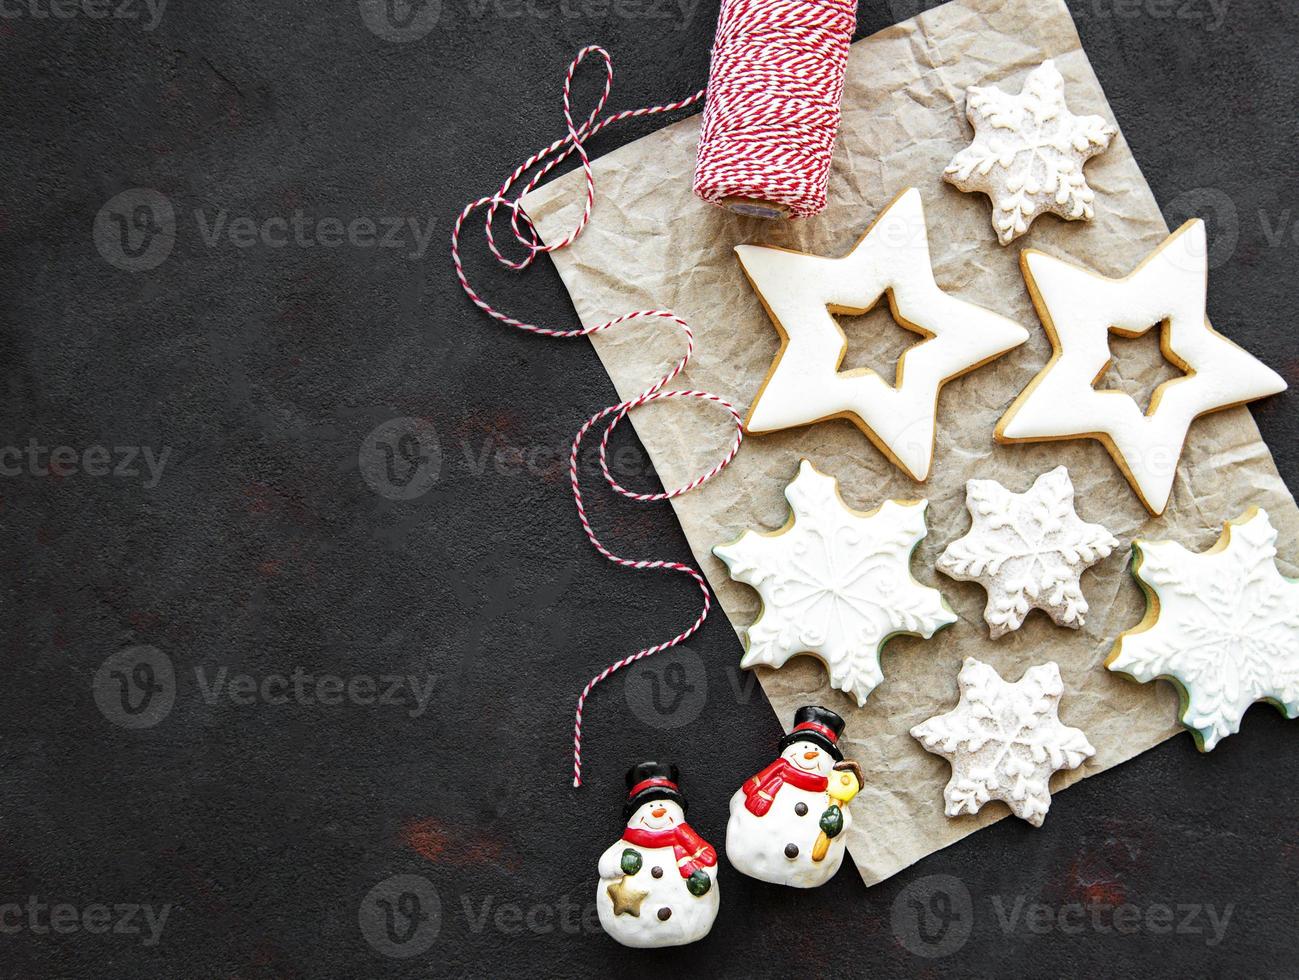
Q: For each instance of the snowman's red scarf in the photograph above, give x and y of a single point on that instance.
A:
(760, 791)
(692, 851)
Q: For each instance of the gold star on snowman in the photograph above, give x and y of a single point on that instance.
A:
(802, 292)
(1028, 153)
(626, 899)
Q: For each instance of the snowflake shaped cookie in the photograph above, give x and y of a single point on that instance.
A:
(1004, 741)
(1223, 626)
(835, 583)
(1079, 309)
(801, 294)
(1028, 153)
(1027, 550)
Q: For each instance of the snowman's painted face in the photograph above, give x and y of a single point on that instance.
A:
(657, 815)
(809, 757)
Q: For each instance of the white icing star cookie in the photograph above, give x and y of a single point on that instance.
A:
(1222, 625)
(1004, 741)
(1079, 309)
(1028, 550)
(1028, 153)
(835, 583)
(801, 292)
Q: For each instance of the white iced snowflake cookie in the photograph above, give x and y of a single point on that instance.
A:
(1028, 153)
(835, 583)
(1079, 308)
(1028, 550)
(1222, 625)
(1004, 741)
(802, 293)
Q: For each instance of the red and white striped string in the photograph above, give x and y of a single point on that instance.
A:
(526, 235)
(768, 133)
(774, 90)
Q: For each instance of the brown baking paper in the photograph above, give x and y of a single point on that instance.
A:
(652, 244)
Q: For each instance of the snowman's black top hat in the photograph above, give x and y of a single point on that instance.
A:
(821, 726)
(650, 781)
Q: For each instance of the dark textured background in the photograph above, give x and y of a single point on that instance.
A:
(263, 549)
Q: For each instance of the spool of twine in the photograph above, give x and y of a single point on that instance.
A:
(772, 113)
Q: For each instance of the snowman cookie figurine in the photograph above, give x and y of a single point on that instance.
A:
(658, 884)
(789, 823)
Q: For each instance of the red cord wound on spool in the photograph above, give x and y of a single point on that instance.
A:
(772, 114)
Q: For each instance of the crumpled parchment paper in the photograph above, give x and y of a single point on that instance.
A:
(652, 244)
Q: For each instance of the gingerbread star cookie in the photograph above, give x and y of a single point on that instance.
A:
(1079, 308)
(1028, 550)
(1004, 741)
(835, 583)
(1222, 625)
(802, 292)
(1028, 153)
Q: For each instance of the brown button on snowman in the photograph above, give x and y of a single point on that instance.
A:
(658, 883)
(789, 823)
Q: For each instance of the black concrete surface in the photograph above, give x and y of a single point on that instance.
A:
(216, 499)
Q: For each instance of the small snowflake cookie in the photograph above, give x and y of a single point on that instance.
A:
(835, 583)
(1028, 153)
(1004, 741)
(1028, 550)
(1222, 625)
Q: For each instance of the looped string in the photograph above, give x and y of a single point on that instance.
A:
(525, 234)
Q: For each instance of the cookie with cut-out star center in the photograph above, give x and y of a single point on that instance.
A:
(801, 294)
(1079, 308)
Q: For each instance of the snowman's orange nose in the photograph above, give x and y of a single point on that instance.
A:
(810, 755)
(658, 811)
